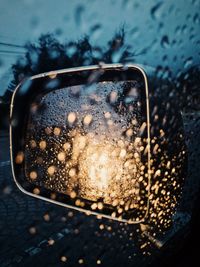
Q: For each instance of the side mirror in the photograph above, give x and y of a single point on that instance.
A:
(80, 138)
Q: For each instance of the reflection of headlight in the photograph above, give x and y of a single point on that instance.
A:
(101, 160)
(98, 169)
(107, 169)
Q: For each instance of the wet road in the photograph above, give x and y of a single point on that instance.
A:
(36, 233)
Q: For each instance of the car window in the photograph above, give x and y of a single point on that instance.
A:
(38, 36)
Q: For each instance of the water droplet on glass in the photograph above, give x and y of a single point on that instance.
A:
(196, 18)
(51, 170)
(71, 117)
(78, 14)
(63, 258)
(33, 175)
(134, 32)
(34, 22)
(156, 10)
(42, 144)
(95, 32)
(188, 62)
(165, 41)
(117, 55)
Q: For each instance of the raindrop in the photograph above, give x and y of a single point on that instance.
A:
(98, 262)
(46, 217)
(87, 119)
(7, 190)
(184, 29)
(63, 258)
(171, 9)
(33, 144)
(188, 62)
(117, 55)
(155, 11)
(129, 132)
(134, 32)
(19, 158)
(47, 131)
(126, 4)
(160, 26)
(36, 191)
(57, 131)
(72, 172)
(80, 261)
(66, 146)
(58, 31)
(78, 14)
(51, 242)
(73, 194)
(113, 97)
(32, 230)
(107, 115)
(42, 145)
(34, 22)
(188, 17)
(33, 175)
(165, 58)
(71, 117)
(95, 32)
(165, 42)
(61, 156)
(196, 18)
(51, 170)
(192, 37)
(178, 30)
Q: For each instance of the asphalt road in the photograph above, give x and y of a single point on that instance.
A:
(36, 233)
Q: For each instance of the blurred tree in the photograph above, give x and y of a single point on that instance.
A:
(49, 54)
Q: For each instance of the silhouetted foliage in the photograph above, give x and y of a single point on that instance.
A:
(49, 54)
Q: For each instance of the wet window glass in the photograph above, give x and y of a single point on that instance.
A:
(120, 153)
